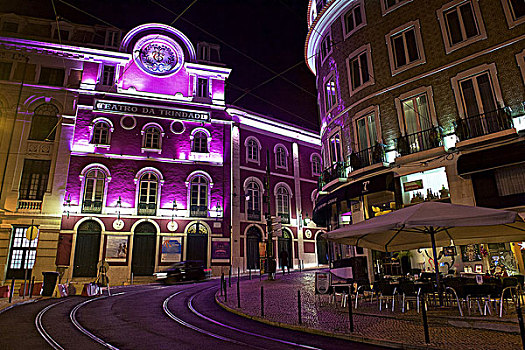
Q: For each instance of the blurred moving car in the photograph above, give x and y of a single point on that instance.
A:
(190, 270)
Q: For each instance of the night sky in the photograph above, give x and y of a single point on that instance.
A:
(270, 34)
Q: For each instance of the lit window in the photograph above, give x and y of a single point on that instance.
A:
(151, 138)
(101, 132)
(405, 47)
(354, 19)
(330, 93)
(108, 75)
(359, 67)
(199, 197)
(148, 189)
(23, 253)
(461, 24)
(94, 185)
(200, 142)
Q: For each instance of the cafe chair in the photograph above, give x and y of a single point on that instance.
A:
(510, 292)
(454, 290)
(410, 293)
(387, 293)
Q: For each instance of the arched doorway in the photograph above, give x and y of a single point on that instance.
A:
(197, 246)
(144, 243)
(87, 249)
(284, 243)
(322, 250)
(253, 237)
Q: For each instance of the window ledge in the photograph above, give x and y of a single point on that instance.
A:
(101, 145)
(156, 150)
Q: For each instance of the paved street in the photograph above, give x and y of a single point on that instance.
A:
(149, 316)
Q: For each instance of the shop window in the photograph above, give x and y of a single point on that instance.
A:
(359, 67)
(35, 176)
(354, 18)
(514, 11)
(51, 76)
(22, 254)
(461, 24)
(330, 94)
(202, 87)
(44, 123)
(405, 47)
(5, 70)
(425, 186)
(390, 5)
(199, 197)
(101, 133)
(94, 187)
(326, 46)
(108, 75)
(148, 190)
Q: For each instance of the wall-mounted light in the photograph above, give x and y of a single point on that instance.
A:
(119, 205)
(174, 210)
(306, 220)
(67, 204)
(218, 211)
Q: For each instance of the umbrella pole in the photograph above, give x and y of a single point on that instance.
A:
(436, 265)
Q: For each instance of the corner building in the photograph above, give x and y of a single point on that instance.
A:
(419, 100)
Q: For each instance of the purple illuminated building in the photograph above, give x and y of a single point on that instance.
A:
(159, 169)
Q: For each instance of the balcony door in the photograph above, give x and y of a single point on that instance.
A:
(94, 191)
(366, 137)
(417, 122)
(148, 194)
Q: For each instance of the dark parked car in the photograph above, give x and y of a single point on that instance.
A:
(184, 271)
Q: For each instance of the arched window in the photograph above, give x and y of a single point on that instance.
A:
(316, 165)
(252, 148)
(151, 138)
(94, 185)
(253, 203)
(283, 204)
(44, 124)
(200, 142)
(101, 132)
(280, 157)
(199, 197)
(148, 190)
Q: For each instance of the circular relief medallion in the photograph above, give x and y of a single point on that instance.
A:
(172, 226)
(118, 224)
(128, 122)
(308, 234)
(177, 127)
(158, 55)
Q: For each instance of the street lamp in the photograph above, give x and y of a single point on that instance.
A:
(67, 204)
(218, 211)
(306, 220)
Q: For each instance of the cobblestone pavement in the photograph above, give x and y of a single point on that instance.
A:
(398, 329)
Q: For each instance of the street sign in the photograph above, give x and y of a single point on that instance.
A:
(322, 282)
(31, 233)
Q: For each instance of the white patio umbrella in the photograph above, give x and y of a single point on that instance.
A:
(430, 224)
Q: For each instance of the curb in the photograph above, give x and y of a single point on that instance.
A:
(23, 302)
(359, 339)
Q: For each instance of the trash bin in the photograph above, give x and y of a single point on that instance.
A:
(50, 281)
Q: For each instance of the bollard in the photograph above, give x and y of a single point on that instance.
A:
(11, 290)
(425, 321)
(230, 277)
(299, 307)
(300, 267)
(225, 293)
(262, 301)
(260, 274)
(250, 271)
(131, 278)
(238, 273)
(350, 314)
(222, 282)
(238, 293)
(520, 321)
(32, 286)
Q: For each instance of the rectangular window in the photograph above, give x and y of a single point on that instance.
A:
(10, 27)
(354, 19)
(35, 175)
(51, 76)
(366, 131)
(335, 149)
(330, 94)
(23, 253)
(390, 5)
(359, 67)
(5, 70)
(405, 47)
(29, 69)
(514, 11)
(202, 87)
(112, 39)
(108, 75)
(461, 24)
(326, 46)
(416, 114)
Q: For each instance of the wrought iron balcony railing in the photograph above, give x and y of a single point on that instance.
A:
(483, 124)
(335, 171)
(254, 215)
(92, 207)
(368, 156)
(419, 141)
(148, 209)
(198, 211)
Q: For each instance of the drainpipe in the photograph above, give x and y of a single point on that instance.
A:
(13, 128)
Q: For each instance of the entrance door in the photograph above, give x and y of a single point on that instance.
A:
(87, 249)
(285, 244)
(322, 250)
(144, 243)
(197, 246)
(253, 237)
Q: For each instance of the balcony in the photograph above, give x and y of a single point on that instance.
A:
(92, 207)
(198, 211)
(335, 171)
(285, 218)
(254, 215)
(483, 124)
(29, 205)
(147, 209)
(419, 141)
(367, 157)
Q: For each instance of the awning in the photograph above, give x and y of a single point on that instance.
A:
(492, 158)
(382, 182)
